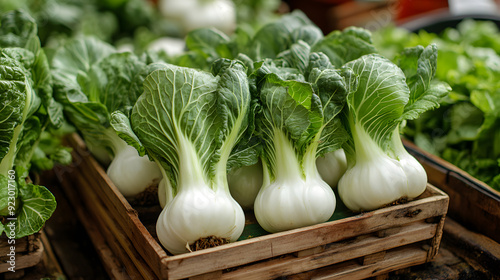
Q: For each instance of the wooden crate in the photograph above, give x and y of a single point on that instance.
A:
(358, 246)
(29, 251)
(472, 202)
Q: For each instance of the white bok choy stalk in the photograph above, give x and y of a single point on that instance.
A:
(244, 175)
(189, 121)
(419, 65)
(244, 184)
(92, 80)
(193, 14)
(380, 171)
(295, 125)
(332, 166)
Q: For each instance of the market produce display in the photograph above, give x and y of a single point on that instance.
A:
(27, 111)
(272, 100)
(465, 130)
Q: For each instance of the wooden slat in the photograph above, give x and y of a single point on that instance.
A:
(469, 245)
(136, 232)
(434, 246)
(272, 245)
(472, 202)
(113, 266)
(394, 259)
(116, 238)
(97, 180)
(21, 246)
(334, 253)
(26, 260)
(208, 276)
(49, 259)
(373, 258)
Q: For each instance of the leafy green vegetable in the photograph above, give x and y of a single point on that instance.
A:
(27, 110)
(297, 124)
(189, 121)
(93, 81)
(464, 130)
(385, 96)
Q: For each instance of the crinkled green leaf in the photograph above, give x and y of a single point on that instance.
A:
(121, 124)
(4, 193)
(110, 80)
(77, 56)
(32, 128)
(297, 56)
(380, 98)
(419, 66)
(330, 85)
(291, 107)
(466, 121)
(276, 37)
(37, 205)
(18, 28)
(310, 34)
(184, 108)
(206, 40)
(177, 101)
(344, 46)
(319, 61)
(12, 97)
(233, 105)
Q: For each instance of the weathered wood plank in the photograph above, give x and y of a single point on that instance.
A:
(334, 253)
(94, 178)
(472, 202)
(21, 246)
(25, 260)
(373, 258)
(114, 267)
(394, 259)
(116, 238)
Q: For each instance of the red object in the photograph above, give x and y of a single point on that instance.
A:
(410, 8)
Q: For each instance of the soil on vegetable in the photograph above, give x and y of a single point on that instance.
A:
(402, 200)
(207, 242)
(146, 198)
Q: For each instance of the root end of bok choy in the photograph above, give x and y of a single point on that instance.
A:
(196, 213)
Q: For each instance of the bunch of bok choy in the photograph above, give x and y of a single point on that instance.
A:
(27, 112)
(92, 80)
(189, 121)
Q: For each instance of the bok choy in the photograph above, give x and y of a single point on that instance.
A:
(297, 124)
(189, 121)
(27, 110)
(93, 81)
(380, 171)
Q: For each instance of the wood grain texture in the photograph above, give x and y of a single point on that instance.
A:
(26, 259)
(472, 202)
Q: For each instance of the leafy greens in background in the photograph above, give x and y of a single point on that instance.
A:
(108, 20)
(465, 130)
(28, 111)
(93, 80)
